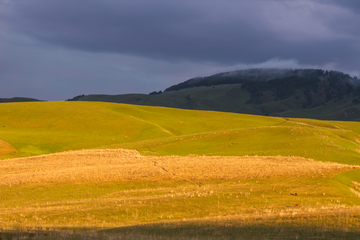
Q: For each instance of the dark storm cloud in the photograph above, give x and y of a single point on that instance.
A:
(222, 31)
(148, 45)
(139, 27)
(353, 5)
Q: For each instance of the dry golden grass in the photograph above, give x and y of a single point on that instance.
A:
(129, 165)
(6, 148)
(210, 168)
(356, 189)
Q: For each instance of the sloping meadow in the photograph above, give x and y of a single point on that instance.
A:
(48, 127)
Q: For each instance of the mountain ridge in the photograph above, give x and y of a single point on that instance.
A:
(302, 93)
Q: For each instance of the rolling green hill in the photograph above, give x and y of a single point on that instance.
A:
(48, 127)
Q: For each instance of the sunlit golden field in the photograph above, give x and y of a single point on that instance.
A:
(108, 171)
(119, 165)
(108, 188)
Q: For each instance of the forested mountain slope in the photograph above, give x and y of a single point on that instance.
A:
(306, 93)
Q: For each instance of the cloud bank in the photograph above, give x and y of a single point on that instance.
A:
(57, 49)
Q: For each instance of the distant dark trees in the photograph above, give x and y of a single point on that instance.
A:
(206, 82)
(18, 99)
(77, 98)
(282, 88)
(188, 98)
(155, 93)
(356, 95)
(285, 82)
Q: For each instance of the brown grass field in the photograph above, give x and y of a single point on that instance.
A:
(128, 165)
(74, 194)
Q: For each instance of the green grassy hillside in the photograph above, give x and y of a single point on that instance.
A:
(233, 98)
(48, 127)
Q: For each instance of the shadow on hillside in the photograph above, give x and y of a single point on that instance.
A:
(206, 230)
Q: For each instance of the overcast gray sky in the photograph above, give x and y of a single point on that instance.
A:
(57, 49)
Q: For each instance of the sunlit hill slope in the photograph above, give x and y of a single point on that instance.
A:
(48, 127)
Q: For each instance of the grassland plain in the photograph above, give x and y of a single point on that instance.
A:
(110, 188)
(304, 181)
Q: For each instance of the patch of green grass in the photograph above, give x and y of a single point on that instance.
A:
(288, 139)
(348, 177)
